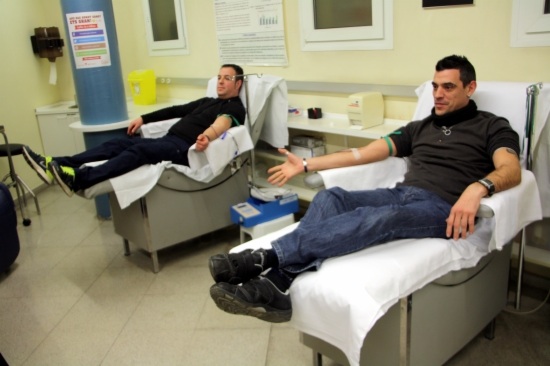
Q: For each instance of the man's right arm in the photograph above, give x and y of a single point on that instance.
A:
(376, 151)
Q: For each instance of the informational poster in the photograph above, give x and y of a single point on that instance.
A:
(251, 32)
(89, 40)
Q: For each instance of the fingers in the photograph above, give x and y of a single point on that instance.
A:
(450, 222)
(277, 178)
(460, 226)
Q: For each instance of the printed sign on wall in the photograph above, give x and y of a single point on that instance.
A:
(89, 41)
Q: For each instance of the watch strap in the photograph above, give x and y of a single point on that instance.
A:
(487, 183)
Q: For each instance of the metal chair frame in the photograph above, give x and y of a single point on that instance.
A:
(18, 183)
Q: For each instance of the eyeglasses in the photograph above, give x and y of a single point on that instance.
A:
(448, 87)
(226, 77)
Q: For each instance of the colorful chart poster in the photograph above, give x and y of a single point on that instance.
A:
(89, 40)
(251, 32)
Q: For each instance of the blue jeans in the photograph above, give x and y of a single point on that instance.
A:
(340, 222)
(124, 155)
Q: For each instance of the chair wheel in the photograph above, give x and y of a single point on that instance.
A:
(26, 222)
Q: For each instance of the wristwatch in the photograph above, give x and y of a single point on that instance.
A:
(489, 185)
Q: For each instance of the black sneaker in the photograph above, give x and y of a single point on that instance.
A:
(258, 297)
(39, 163)
(64, 176)
(239, 267)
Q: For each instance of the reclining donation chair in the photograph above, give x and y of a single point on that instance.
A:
(415, 301)
(175, 207)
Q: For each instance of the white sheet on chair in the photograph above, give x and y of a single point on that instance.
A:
(203, 166)
(541, 147)
(342, 301)
(387, 172)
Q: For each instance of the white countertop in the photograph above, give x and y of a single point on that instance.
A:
(134, 110)
(69, 106)
(333, 123)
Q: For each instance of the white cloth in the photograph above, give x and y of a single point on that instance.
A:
(387, 172)
(541, 147)
(203, 166)
(348, 307)
(266, 91)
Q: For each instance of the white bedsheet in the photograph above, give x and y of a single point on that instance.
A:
(342, 301)
(203, 166)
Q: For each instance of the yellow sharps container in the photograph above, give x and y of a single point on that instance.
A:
(143, 86)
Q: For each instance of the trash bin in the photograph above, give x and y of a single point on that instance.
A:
(9, 240)
(143, 86)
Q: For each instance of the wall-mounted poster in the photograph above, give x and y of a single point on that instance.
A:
(89, 39)
(251, 32)
(434, 3)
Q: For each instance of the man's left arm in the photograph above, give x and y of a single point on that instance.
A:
(507, 174)
(215, 130)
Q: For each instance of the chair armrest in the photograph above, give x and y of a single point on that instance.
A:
(485, 211)
(314, 181)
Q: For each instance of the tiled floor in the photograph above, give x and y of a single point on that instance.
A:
(73, 298)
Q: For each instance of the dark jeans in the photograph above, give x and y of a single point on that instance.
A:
(340, 222)
(123, 155)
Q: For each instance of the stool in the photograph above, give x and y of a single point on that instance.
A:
(266, 227)
(8, 150)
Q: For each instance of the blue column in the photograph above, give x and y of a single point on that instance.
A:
(97, 73)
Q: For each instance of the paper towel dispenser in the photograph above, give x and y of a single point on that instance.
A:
(47, 43)
(366, 109)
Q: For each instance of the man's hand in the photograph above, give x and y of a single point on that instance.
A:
(134, 126)
(461, 221)
(202, 142)
(280, 174)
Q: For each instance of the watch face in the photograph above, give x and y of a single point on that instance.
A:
(488, 184)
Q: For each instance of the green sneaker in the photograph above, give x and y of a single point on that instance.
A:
(39, 163)
(64, 176)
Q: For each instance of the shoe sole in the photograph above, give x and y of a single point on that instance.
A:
(233, 305)
(42, 174)
(61, 184)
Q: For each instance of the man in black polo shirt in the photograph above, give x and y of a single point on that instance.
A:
(201, 121)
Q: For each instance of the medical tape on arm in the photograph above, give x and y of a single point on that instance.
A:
(356, 153)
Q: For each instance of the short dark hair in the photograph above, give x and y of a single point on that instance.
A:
(460, 63)
(238, 70)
